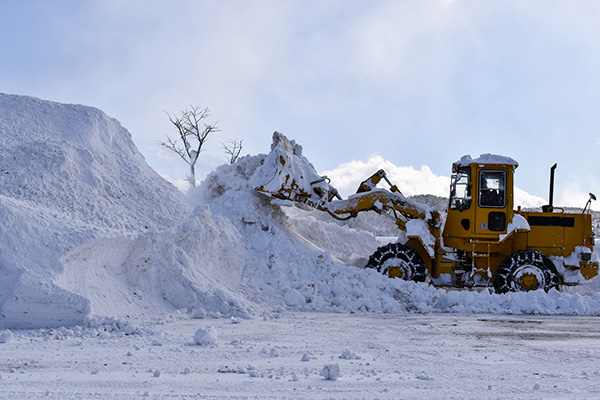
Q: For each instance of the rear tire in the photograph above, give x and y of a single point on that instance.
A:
(526, 270)
(398, 261)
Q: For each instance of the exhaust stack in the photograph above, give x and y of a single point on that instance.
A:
(548, 208)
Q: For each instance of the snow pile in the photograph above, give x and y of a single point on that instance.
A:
(535, 302)
(301, 263)
(68, 174)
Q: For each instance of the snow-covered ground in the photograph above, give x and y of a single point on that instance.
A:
(108, 273)
(392, 356)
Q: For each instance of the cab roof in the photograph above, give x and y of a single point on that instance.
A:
(486, 159)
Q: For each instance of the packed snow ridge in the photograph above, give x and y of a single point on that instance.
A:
(69, 174)
(88, 230)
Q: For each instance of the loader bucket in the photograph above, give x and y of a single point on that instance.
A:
(286, 174)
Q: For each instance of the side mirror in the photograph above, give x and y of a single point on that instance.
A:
(589, 202)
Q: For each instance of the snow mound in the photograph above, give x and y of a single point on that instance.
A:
(68, 173)
(301, 264)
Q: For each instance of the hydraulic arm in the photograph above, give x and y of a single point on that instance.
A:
(291, 177)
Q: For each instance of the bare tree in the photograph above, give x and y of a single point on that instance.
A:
(193, 133)
(233, 150)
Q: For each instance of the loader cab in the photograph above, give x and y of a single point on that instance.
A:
(481, 199)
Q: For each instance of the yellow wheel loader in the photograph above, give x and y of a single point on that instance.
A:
(483, 241)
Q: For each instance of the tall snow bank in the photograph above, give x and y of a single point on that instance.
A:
(68, 174)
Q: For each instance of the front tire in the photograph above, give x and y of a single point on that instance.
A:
(526, 270)
(398, 261)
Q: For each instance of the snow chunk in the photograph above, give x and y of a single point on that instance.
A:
(568, 267)
(350, 355)
(518, 223)
(287, 173)
(419, 228)
(206, 336)
(6, 336)
(331, 372)
(574, 258)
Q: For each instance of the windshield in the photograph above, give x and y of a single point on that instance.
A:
(460, 189)
(491, 189)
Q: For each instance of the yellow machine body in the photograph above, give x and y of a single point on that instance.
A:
(482, 228)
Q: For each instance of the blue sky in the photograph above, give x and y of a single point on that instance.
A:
(418, 83)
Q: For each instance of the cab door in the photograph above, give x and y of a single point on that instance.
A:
(492, 200)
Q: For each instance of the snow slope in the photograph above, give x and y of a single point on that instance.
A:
(68, 174)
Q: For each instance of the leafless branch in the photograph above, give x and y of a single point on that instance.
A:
(233, 150)
(172, 145)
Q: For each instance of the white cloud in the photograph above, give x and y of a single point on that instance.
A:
(526, 200)
(572, 195)
(348, 176)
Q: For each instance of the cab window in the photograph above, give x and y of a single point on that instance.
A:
(460, 189)
(492, 191)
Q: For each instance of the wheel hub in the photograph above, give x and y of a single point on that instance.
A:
(528, 277)
(397, 268)
(395, 272)
(529, 281)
